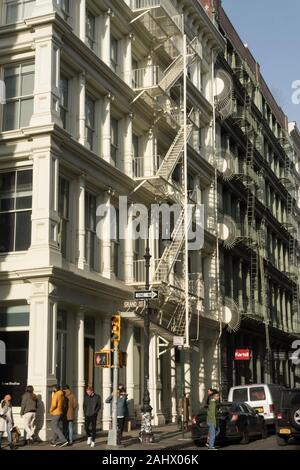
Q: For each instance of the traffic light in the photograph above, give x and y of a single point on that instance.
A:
(116, 328)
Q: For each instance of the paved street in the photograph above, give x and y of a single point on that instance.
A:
(167, 437)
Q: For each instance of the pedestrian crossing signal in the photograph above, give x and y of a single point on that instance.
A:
(102, 358)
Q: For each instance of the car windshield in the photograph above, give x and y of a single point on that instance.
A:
(257, 394)
(240, 394)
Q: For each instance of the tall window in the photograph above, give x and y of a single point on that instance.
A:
(61, 347)
(113, 53)
(114, 139)
(90, 121)
(64, 101)
(19, 82)
(90, 29)
(90, 228)
(17, 10)
(64, 202)
(15, 210)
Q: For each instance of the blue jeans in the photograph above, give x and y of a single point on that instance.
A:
(8, 430)
(213, 432)
(70, 431)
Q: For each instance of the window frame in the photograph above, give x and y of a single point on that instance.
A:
(90, 40)
(15, 210)
(18, 98)
(22, 3)
(64, 218)
(64, 108)
(114, 53)
(90, 129)
(90, 231)
(114, 143)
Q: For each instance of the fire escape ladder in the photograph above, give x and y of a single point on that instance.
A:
(174, 153)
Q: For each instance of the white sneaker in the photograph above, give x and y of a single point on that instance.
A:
(89, 440)
(92, 444)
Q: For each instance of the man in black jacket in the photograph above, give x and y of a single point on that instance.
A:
(91, 408)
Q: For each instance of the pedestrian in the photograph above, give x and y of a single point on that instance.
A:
(91, 408)
(213, 429)
(6, 420)
(70, 408)
(122, 410)
(28, 412)
(210, 392)
(56, 412)
(184, 411)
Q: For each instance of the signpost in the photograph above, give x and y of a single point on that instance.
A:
(146, 294)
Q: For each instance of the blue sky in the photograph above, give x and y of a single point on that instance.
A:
(271, 28)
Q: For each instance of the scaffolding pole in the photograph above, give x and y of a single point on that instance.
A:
(186, 228)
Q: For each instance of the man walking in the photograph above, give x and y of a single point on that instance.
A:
(213, 429)
(71, 405)
(122, 410)
(28, 412)
(56, 412)
(91, 408)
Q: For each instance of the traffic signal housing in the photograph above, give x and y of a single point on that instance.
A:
(116, 328)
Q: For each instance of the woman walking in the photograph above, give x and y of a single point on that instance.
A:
(6, 419)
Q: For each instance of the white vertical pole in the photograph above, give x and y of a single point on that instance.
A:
(185, 168)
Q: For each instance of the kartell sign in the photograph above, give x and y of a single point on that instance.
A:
(242, 355)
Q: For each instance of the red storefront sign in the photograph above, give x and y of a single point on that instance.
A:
(242, 355)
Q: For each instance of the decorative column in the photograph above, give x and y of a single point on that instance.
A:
(128, 153)
(45, 219)
(127, 61)
(81, 224)
(130, 370)
(47, 74)
(128, 251)
(81, 127)
(105, 37)
(82, 18)
(80, 375)
(158, 417)
(173, 387)
(106, 240)
(106, 137)
(42, 350)
(106, 374)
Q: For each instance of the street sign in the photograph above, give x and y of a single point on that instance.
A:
(178, 340)
(146, 294)
(242, 354)
(133, 303)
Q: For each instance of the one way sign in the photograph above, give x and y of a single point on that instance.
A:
(146, 294)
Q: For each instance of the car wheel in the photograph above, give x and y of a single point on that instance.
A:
(296, 416)
(281, 441)
(264, 431)
(246, 438)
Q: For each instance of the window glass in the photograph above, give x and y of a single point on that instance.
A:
(15, 210)
(64, 100)
(17, 10)
(90, 29)
(114, 53)
(240, 394)
(90, 121)
(257, 393)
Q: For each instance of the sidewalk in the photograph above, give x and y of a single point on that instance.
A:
(166, 437)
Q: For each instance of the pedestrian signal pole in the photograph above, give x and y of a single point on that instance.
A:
(116, 330)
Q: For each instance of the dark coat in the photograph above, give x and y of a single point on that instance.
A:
(29, 403)
(122, 408)
(91, 405)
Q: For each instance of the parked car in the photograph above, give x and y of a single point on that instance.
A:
(288, 416)
(264, 398)
(237, 421)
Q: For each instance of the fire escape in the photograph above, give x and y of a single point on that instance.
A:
(290, 224)
(152, 85)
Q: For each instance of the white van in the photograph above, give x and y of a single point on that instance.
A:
(262, 397)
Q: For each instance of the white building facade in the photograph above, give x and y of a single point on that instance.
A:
(74, 134)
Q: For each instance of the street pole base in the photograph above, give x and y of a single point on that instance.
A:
(112, 439)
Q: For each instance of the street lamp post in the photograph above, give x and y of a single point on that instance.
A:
(146, 434)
